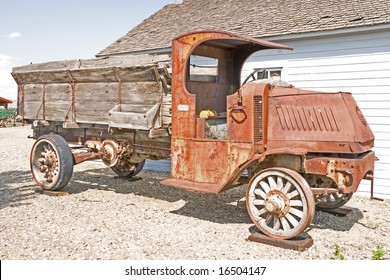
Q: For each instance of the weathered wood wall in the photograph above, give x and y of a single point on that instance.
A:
(84, 91)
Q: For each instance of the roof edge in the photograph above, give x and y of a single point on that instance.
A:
(327, 33)
(286, 37)
(2, 99)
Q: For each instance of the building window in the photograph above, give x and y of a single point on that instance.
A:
(203, 69)
(266, 73)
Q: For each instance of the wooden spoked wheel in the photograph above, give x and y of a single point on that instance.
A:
(280, 202)
(51, 162)
(332, 201)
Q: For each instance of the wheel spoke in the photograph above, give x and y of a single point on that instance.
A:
(271, 182)
(292, 220)
(285, 224)
(276, 223)
(296, 212)
(269, 219)
(287, 187)
(336, 196)
(260, 193)
(261, 211)
(292, 194)
(295, 203)
(279, 183)
(265, 186)
(258, 202)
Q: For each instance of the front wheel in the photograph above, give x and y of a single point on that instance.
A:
(51, 162)
(280, 202)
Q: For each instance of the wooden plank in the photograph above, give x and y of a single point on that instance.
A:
(31, 109)
(58, 93)
(126, 60)
(56, 111)
(136, 108)
(141, 92)
(112, 61)
(92, 75)
(167, 98)
(134, 116)
(167, 120)
(33, 92)
(296, 243)
(100, 105)
(107, 75)
(51, 193)
(93, 119)
(92, 93)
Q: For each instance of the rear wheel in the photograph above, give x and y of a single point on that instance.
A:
(280, 202)
(128, 169)
(51, 162)
(332, 201)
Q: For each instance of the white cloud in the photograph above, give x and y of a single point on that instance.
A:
(8, 87)
(14, 35)
(4, 61)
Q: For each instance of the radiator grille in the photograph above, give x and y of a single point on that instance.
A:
(258, 120)
(307, 118)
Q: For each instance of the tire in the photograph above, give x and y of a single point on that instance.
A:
(51, 162)
(127, 169)
(332, 201)
(280, 202)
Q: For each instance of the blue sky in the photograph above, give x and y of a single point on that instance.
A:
(46, 30)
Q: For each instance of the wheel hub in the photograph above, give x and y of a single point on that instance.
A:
(274, 204)
(277, 203)
(48, 165)
(111, 152)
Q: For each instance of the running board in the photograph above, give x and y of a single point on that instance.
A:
(193, 186)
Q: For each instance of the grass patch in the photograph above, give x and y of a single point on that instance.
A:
(337, 253)
(378, 253)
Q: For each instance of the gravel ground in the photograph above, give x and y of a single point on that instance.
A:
(108, 218)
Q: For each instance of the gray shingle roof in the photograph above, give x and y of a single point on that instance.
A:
(253, 18)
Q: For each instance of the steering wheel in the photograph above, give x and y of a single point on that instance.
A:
(253, 76)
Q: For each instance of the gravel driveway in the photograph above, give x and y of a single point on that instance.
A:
(108, 218)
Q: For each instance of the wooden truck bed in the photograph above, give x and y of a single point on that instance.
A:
(123, 92)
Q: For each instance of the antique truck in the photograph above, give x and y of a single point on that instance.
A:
(295, 149)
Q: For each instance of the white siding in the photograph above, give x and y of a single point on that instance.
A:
(358, 63)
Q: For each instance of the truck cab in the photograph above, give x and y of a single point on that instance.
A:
(217, 124)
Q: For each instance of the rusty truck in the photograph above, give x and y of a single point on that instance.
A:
(295, 149)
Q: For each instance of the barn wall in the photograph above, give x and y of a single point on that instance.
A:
(356, 63)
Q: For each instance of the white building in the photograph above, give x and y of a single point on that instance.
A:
(356, 61)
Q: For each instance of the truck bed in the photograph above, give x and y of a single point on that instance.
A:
(123, 92)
